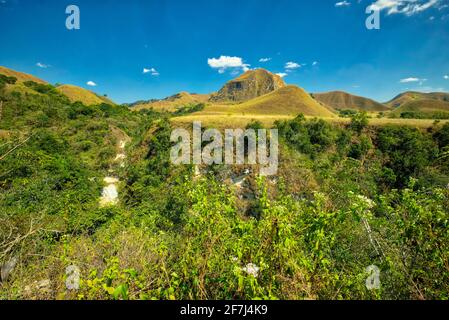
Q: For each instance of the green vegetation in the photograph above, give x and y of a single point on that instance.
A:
(189, 109)
(424, 115)
(347, 196)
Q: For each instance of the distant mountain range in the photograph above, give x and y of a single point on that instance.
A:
(260, 92)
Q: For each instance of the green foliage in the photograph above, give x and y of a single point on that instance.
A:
(4, 80)
(343, 200)
(424, 115)
(407, 151)
(310, 137)
(189, 109)
(359, 121)
(347, 113)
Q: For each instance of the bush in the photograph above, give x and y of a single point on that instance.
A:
(407, 151)
(359, 121)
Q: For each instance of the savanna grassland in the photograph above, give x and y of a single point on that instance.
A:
(349, 194)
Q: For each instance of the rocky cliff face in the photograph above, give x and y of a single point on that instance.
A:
(250, 85)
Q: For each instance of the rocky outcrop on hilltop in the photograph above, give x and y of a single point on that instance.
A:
(250, 85)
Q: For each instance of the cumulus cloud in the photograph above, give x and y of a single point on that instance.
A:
(292, 65)
(152, 71)
(407, 7)
(282, 74)
(264, 60)
(91, 84)
(446, 77)
(226, 62)
(315, 63)
(413, 79)
(343, 4)
(42, 65)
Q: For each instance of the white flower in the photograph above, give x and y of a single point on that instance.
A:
(251, 269)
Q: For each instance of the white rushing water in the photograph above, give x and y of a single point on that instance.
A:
(109, 195)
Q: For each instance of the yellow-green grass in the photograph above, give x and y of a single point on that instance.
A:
(342, 100)
(423, 106)
(174, 102)
(223, 121)
(285, 102)
(20, 87)
(87, 97)
(289, 100)
(21, 77)
(411, 96)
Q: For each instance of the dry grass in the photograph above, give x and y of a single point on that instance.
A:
(424, 106)
(21, 77)
(221, 120)
(174, 102)
(343, 100)
(75, 93)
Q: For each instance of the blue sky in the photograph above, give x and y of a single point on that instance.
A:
(198, 45)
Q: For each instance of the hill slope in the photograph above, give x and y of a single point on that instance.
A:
(423, 108)
(171, 103)
(341, 100)
(250, 85)
(85, 96)
(289, 100)
(409, 96)
(21, 77)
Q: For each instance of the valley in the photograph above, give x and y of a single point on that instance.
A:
(89, 185)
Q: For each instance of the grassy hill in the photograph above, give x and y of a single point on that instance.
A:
(74, 93)
(409, 96)
(340, 100)
(87, 97)
(426, 108)
(284, 103)
(21, 77)
(289, 100)
(171, 103)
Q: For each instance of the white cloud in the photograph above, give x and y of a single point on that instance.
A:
(42, 65)
(152, 71)
(292, 65)
(343, 4)
(264, 60)
(91, 84)
(407, 7)
(315, 63)
(282, 74)
(446, 77)
(226, 62)
(413, 79)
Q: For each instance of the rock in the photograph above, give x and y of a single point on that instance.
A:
(7, 268)
(250, 85)
(239, 181)
(43, 286)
